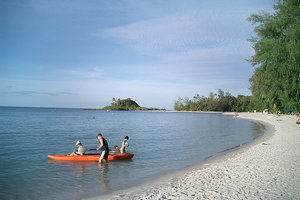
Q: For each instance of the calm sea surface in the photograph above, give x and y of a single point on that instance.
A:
(163, 142)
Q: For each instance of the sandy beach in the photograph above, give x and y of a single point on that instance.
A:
(269, 168)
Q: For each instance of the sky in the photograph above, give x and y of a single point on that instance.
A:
(83, 53)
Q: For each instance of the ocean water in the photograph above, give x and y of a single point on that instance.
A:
(163, 143)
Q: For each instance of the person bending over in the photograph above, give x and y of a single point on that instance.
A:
(103, 147)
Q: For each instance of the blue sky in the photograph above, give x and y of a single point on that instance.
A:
(83, 53)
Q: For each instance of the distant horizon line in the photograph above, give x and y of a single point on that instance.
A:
(47, 107)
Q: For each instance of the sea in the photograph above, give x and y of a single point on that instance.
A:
(163, 143)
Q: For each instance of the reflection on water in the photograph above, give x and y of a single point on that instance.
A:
(103, 179)
(71, 163)
(82, 170)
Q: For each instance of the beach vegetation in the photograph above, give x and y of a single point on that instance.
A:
(220, 101)
(275, 83)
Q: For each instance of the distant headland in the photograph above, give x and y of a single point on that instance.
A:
(126, 105)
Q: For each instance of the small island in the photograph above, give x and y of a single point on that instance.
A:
(127, 105)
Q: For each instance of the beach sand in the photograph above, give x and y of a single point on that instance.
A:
(269, 168)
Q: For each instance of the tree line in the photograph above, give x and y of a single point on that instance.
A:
(219, 101)
(127, 105)
(275, 84)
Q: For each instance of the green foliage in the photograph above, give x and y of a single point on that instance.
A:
(275, 83)
(215, 102)
(126, 104)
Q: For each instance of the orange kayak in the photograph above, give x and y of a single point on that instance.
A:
(91, 157)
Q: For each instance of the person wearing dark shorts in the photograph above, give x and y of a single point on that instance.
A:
(103, 147)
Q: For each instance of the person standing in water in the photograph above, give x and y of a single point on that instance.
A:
(103, 147)
(125, 144)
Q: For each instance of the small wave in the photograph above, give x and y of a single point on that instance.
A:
(231, 148)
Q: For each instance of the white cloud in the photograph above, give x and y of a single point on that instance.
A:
(95, 72)
(181, 32)
(190, 45)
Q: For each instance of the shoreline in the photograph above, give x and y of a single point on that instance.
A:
(256, 170)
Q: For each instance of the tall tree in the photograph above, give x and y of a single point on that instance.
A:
(276, 80)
